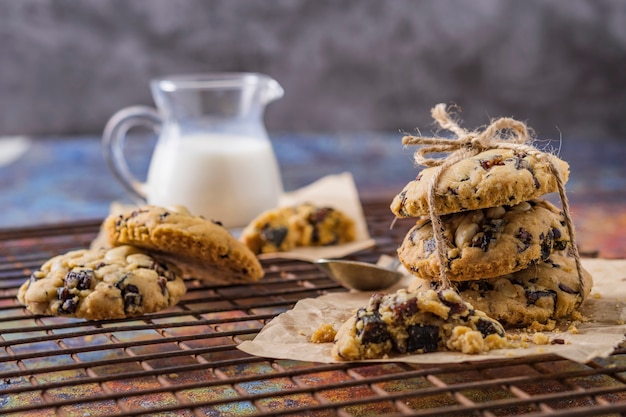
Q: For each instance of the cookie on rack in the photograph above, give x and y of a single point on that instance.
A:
(492, 178)
(549, 290)
(285, 228)
(201, 248)
(102, 284)
(486, 243)
(416, 322)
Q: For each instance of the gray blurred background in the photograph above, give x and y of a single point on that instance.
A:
(347, 66)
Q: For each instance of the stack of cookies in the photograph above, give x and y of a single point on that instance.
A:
(137, 266)
(506, 248)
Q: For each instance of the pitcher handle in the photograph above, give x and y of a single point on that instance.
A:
(113, 139)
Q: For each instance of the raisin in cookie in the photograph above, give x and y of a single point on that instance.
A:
(285, 228)
(102, 284)
(496, 177)
(416, 322)
(547, 291)
(486, 243)
(202, 248)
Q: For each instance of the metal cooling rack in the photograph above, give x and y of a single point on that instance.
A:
(184, 362)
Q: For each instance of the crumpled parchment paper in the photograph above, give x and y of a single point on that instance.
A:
(287, 335)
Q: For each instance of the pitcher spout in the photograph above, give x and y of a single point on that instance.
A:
(272, 91)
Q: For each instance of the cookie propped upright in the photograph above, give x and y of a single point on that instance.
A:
(201, 248)
(496, 177)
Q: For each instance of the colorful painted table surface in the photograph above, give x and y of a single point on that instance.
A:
(49, 180)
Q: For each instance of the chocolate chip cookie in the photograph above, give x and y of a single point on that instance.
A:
(201, 248)
(547, 291)
(486, 243)
(102, 284)
(285, 228)
(416, 322)
(492, 178)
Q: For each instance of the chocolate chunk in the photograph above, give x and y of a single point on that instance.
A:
(567, 289)
(69, 301)
(455, 308)
(375, 300)
(274, 235)
(525, 238)
(131, 296)
(487, 327)
(406, 309)
(534, 296)
(552, 263)
(535, 180)
(482, 240)
(163, 271)
(402, 196)
(163, 285)
(374, 328)
(546, 244)
(520, 163)
(422, 337)
(560, 243)
(80, 280)
(319, 214)
(482, 286)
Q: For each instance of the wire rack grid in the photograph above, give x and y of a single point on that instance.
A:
(184, 361)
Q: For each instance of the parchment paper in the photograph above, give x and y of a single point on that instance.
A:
(287, 335)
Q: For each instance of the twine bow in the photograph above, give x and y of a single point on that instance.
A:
(502, 133)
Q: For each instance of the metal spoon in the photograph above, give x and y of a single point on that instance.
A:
(361, 276)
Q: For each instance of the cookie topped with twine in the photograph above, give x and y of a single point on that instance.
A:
(489, 167)
(493, 167)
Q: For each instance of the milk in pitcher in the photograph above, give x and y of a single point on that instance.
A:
(221, 177)
(213, 154)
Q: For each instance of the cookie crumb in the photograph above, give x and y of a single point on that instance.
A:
(540, 338)
(325, 333)
(540, 327)
(572, 329)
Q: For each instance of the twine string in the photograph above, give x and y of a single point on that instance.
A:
(502, 133)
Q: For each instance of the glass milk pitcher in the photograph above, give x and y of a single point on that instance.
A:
(213, 155)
